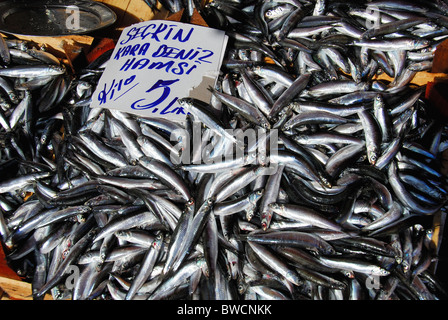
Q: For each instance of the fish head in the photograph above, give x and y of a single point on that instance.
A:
(255, 196)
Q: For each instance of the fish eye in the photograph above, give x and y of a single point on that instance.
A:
(266, 125)
(241, 288)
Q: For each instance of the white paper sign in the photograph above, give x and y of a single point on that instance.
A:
(157, 62)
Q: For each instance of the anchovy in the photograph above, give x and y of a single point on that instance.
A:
(20, 110)
(276, 74)
(293, 90)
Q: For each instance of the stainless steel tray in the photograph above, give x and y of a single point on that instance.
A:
(54, 17)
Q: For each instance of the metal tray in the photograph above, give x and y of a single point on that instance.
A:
(53, 17)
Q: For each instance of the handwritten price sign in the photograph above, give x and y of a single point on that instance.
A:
(157, 62)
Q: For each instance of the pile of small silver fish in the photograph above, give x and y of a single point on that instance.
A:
(93, 205)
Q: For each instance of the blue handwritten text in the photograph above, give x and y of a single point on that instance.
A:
(158, 31)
